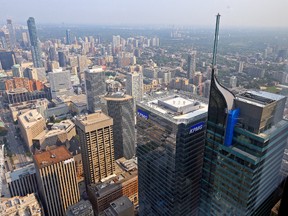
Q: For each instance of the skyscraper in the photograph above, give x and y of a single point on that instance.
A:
(95, 87)
(170, 144)
(68, 37)
(134, 85)
(245, 140)
(12, 35)
(121, 108)
(97, 148)
(191, 66)
(36, 52)
(56, 177)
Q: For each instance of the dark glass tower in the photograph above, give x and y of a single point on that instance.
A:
(36, 52)
(245, 140)
(121, 108)
(170, 143)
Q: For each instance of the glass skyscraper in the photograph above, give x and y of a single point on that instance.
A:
(245, 140)
(170, 143)
(36, 52)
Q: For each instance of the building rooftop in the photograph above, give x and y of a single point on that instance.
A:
(124, 171)
(52, 156)
(258, 98)
(83, 207)
(30, 117)
(93, 118)
(27, 205)
(118, 96)
(95, 69)
(20, 172)
(119, 206)
(176, 108)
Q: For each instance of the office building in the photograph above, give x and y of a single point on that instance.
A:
(17, 71)
(7, 59)
(22, 181)
(124, 182)
(60, 83)
(82, 208)
(244, 153)
(35, 48)
(191, 66)
(97, 148)
(31, 124)
(95, 87)
(134, 85)
(120, 207)
(240, 66)
(12, 35)
(170, 145)
(52, 53)
(22, 94)
(82, 63)
(120, 108)
(56, 177)
(26, 205)
(4, 40)
(62, 58)
(68, 37)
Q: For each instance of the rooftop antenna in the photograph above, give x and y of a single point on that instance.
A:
(216, 38)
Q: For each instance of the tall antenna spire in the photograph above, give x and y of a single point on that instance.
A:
(216, 38)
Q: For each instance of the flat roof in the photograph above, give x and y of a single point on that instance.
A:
(176, 108)
(93, 118)
(30, 117)
(20, 172)
(258, 98)
(118, 97)
(52, 156)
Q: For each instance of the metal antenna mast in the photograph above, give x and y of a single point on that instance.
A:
(216, 38)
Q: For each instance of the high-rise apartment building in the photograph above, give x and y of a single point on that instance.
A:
(121, 108)
(170, 145)
(245, 140)
(12, 35)
(97, 148)
(60, 82)
(35, 48)
(233, 82)
(191, 66)
(56, 177)
(95, 87)
(134, 85)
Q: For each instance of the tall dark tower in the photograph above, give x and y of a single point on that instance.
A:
(68, 37)
(245, 140)
(11, 34)
(36, 52)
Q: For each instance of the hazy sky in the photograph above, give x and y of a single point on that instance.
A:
(237, 13)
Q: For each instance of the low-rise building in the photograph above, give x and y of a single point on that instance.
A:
(31, 124)
(58, 134)
(27, 205)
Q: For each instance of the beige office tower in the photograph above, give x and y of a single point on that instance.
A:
(97, 148)
(56, 178)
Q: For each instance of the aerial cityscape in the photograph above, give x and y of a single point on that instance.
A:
(152, 116)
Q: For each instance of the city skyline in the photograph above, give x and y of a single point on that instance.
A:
(257, 13)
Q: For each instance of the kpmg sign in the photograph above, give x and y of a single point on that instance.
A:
(142, 114)
(197, 127)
